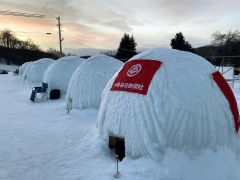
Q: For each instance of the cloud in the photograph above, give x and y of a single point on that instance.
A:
(119, 24)
(106, 16)
(51, 9)
(182, 11)
(80, 35)
(102, 23)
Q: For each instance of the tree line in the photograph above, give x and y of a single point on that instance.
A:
(127, 46)
(228, 44)
(224, 44)
(8, 40)
(17, 51)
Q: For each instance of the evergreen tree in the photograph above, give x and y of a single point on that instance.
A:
(178, 42)
(133, 45)
(127, 48)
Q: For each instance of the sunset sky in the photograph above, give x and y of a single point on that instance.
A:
(101, 24)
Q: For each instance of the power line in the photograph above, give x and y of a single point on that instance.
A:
(94, 45)
(32, 35)
(97, 46)
(15, 13)
(91, 45)
(25, 33)
(105, 46)
(86, 44)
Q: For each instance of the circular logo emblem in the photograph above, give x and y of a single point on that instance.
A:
(134, 70)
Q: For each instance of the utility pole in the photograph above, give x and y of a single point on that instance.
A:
(60, 35)
(28, 15)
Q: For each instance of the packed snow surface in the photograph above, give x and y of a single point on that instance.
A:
(59, 73)
(88, 81)
(41, 141)
(34, 71)
(23, 67)
(183, 110)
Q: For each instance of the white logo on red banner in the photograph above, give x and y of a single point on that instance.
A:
(134, 70)
(136, 76)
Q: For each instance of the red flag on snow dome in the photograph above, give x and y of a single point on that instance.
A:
(136, 76)
(226, 90)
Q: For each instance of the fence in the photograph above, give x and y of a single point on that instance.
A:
(224, 60)
(227, 65)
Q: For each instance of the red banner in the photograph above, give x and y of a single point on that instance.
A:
(136, 76)
(226, 90)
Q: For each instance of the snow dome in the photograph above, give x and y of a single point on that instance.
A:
(169, 99)
(59, 73)
(34, 71)
(89, 80)
(23, 67)
(25, 70)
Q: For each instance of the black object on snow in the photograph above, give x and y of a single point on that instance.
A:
(42, 90)
(3, 71)
(55, 94)
(117, 146)
(16, 72)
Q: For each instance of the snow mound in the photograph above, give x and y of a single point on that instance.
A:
(88, 81)
(184, 109)
(34, 71)
(59, 73)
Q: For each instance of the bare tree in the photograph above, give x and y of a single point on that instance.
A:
(229, 43)
(22, 45)
(7, 39)
(32, 46)
(54, 52)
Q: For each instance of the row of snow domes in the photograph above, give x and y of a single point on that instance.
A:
(81, 80)
(160, 99)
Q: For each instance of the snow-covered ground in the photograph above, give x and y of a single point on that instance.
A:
(9, 68)
(41, 141)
